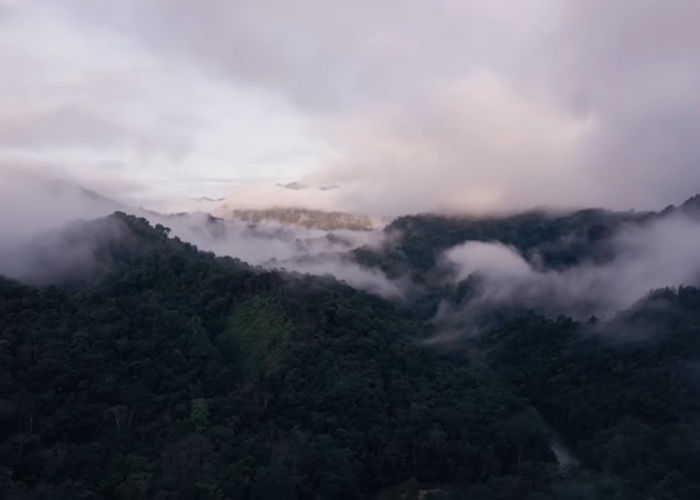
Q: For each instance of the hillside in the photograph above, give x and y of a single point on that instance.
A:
(560, 240)
(162, 371)
(175, 374)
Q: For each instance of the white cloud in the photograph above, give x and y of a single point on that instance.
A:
(492, 259)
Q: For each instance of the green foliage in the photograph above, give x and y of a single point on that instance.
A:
(257, 336)
(166, 372)
(199, 413)
(622, 394)
(175, 374)
(558, 241)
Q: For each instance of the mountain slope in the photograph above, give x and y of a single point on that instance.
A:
(175, 374)
(161, 371)
(559, 240)
(623, 394)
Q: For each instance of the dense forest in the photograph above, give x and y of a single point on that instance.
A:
(156, 370)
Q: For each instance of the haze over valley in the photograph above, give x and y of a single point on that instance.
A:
(351, 250)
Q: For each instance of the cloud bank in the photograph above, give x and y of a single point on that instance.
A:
(479, 105)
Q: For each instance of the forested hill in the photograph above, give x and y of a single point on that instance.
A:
(148, 369)
(170, 373)
(560, 240)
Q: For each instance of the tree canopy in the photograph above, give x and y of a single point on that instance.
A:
(162, 371)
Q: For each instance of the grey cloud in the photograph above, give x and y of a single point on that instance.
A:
(463, 106)
(58, 100)
(636, 66)
(325, 55)
(72, 126)
(6, 8)
(65, 126)
(619, 77)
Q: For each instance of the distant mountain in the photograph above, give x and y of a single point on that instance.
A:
(318, 219)
(293, 215)
(207, 199)
(299, 186)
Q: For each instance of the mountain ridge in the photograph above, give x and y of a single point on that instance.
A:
(172, 373)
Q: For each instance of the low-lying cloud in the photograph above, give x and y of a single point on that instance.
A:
(35, 247)
(662, 253)
(473, 106)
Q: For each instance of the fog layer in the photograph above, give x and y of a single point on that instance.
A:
(35, 249)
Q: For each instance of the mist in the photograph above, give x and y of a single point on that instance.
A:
(38, 236)
(481, 106)
(657, 254)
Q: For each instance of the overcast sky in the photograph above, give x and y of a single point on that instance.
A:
(408, 105)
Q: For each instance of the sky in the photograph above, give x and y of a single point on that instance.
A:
(406, 105)
(84, 101)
